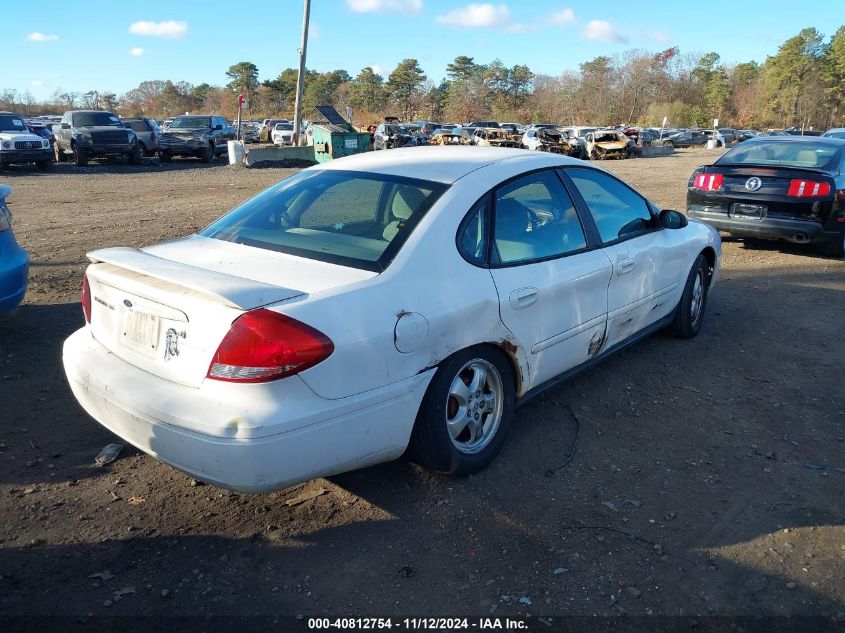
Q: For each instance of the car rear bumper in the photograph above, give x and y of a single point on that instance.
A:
(270, 436)
(14, 272)
(800, 231)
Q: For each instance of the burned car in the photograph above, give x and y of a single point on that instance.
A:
(607, 144)
(445, 137)
(390, 135)
(493, 137)
(202, 136)
(554, 140)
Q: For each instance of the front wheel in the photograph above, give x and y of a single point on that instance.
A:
(165, 156)
(58, 154)
(467, 412)
(689, 315)
(80, 156)
(207, 154)
(134, 156)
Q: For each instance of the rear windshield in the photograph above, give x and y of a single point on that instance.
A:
(791, 154)
(354, 219)
(84, 119)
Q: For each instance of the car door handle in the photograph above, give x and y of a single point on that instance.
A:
(523, 297)
(624, 265)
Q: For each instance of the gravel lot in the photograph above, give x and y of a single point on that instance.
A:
(708, 479)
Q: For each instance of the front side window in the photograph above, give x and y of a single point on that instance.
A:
(617, 210)
(350, 218)
(535, 219)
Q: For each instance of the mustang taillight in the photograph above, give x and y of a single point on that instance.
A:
(263, 345)
(86, 298)
(708, 182)
(800, 188)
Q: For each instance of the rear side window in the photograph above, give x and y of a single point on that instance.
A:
(535, 219)
(138, 126)
(472, 236)
(617, 210)
(350, 218)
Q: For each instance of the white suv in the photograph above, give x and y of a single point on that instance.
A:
(19, 145)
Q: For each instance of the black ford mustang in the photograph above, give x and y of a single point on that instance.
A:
(788, 188)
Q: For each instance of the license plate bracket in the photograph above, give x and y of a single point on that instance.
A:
(744, 211)
(140, 331)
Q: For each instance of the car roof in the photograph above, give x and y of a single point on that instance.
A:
(442, 164)
(822, 140)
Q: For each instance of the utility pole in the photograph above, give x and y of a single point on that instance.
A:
(300, 79)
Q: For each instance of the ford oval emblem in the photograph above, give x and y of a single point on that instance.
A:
(127, 303)
(753, 183)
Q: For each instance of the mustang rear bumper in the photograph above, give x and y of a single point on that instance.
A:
(14, 272)
(251, 438)
(800, 231)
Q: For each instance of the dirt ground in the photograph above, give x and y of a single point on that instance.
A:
(708, 478)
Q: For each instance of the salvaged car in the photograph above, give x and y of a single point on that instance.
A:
(777, 188)
(555, 140)
(283, 134)
(445, 137)
(203, 136)
(378, 303)
(87, 134)
(19, 145)
(391, 135)
(14, 260)
(602, 144)
(492, 137)
(147, 132)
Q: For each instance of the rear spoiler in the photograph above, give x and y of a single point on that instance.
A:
(245, 294)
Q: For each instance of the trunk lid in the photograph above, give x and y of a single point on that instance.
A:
(165, 309)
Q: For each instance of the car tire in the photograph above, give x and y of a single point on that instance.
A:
(207, 154)
(689, 314)
(58, 154)
(134, 156)
(439, 441)
(834, 247)
(44, 165)
(80, 156)
(668, 144)
(165, 156)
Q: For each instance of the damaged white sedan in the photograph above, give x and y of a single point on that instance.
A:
(385, 302)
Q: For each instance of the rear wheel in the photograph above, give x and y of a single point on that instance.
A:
(466, 413)
(668, 144)
(80, 156)
(689, 315)
(834, 247)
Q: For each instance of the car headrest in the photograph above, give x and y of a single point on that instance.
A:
(405, 202)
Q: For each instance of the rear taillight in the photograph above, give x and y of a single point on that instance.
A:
(263, 345)
(708, 182)
(86, 298)
(800, 188)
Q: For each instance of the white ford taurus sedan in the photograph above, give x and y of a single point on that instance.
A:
(385, 302)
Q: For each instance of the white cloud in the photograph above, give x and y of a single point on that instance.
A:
(136, 52)
(604, 31)
(36, 83)
(564, 16)
(393, 6)
(168, 28)
(478, 16)
(377, 69)
(41, 37)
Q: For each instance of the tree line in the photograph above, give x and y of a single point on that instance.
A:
(802, 85)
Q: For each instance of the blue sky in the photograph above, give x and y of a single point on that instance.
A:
(108, 45)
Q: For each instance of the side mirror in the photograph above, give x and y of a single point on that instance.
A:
(65, 126)
(670, 219)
